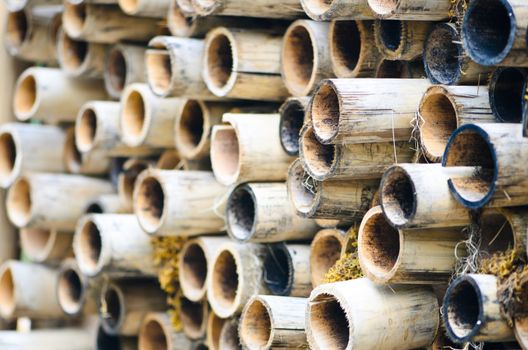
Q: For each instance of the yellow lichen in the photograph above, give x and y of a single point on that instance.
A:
(347, 267)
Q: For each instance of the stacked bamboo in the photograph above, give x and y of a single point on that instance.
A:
(230, 174)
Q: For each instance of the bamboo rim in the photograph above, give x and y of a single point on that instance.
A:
(92, 248)
(27, 98)
(158, 63)
(104, 341)
(229, 335)
(347, 47)
(115, 72)
(130, 7)
(192, 128)
(194, 317)
(179, 22)
(72, 54)
(135, 116)
(507, 94)
(10, 158)
(193, 270)
(303, 197)
(325, 111)
(320, 160)
(388, 69)
(72, 157)
(220, 61)
(497, 232)
(241, 213)
(256, 325)
(74, 18)
(186, 7)
(115, 307)
(319, 9)
(292, 114)
(71, 289)
(225, 285)
(154, 334)
(37, 243)
(390, 37)
(149, 203)
(214, 330)
(18, 28)
(126, 181)
(206, 7)
(19, 202)
(7, 290)
(325, 250)
(225, 154)
(278, 269)
(86, 128)
(170, 160)
(328, 322)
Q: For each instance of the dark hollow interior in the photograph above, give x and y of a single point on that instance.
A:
(463, 309)
(241, 212)
(278, 270)
(292, 119)
(390, 34)
(507, 90)
(347, 43)
(442, 54)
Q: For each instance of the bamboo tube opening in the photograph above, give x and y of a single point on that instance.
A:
(153, 336)
(179, 24)
(90, 247)
(392, 69)
(207, 6)
(169, 160)
(117, 70)
(384, 7)
(193, 317)
(72, 156)
(301, 191)
(94, 208)
(214, 330)
(186, 6)
(225, 154)
(224, 279)
(444, 55)
(150, 203)
(317, 7)
(325, 111)
(73, 53)
(193, 273)
(7, 292)
(464, 310)
(328, 322)
(8, 156)
(496, 232)
(191, 127)
(241, 213)
(292, 120)
(318, 158)
(219, 61)
(134, 117)
(278, 270)
(489, 30)
(34, 242)
(390, 35)
(129, 6)
(507, 90)
(345, 46)
(298, 59)
(398, 196)
(17, 28)
(324, 253)
(113, 303)
(159, 70)
(87, 130)
(127, 180)
(105, 341)
(70, 291)
(26, 95)
(229, 335)
(74, 18)
(255, 326)
(19, 202)
(440, 120)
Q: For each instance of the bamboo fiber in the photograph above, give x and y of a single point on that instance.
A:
(106, 204)
(193, 317)
(507, 89)
(292, 117)
(41, 200)
(47, 339)
(229, 335)
(172, 202)
(74, 290)
(401, 40)
(145, 8)
(270, 322)
(48, 95)
(214, 329)
(412, 10)
(248, 150)
(46, 246)
(261, 212)
(325, 250)
(78, 58)
(288, 9)
(346, 315)
(94, 162)
(233, 68)
(157, 333)
(21, 150)
(124, 64)
(126, 180)
(28, 290)
(337, 9)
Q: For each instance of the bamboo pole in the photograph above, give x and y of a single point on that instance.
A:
(471, 310)
(507, 93)
(194, 263)
(345, 315)
(401, 40)
(248, 150)
(445, 108)
(270, 321)
(79, 58)
(325, 250)
(388, 69)
(74, 290)
(106, 204)
(46, 246)
(46, 94)
(499, 177)
(126, 180)
(106, 24)
(145, 8)
(21, 150)
(147, 118)
(157, 333)
(412, 10)
(286, 270)
(125, 304)
(352, 49)
(305, 56)
(495, 33)
(17, 5)
(99, 246)
(261, 213)
(292, 116)
(172, 202)
(47, 339)
(232, 68)
(288, 9)
(94, 162)
(447, 62)
(193, 317)
(214, 329)
(337, 9)
(124, 64)
(235, 276)
(229, 335)
(105, 341)
(28, 290)
(41, 200)
(382, 114)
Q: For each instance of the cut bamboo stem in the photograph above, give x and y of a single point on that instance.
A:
(229, 335)
(261, 213)
(17, 5)
(73, 290)
(46, 246)
(28, 290)
(106, 204)
(94, 162)
(325, 250)
(292, 117)
(337, 9)
(445, 108)
(172, 202)
(125, 304)
(235, 276)
(41, 200)
(502, 229)
(270, 321)
(78, 58)
(47, 339)
(157, 333)
(105, 341)
(401, 40)
(497, 152)
(494, 32)
(99, 246)
(145, 8)
(248, 150)
(388, 69)
(288, 9)
(232, 68)
(412, 10)
(471, 310)
(21, 150)
(193, 317)
(366, 110)
(124, 65)
(214, 329)
(47, 94)
(507, 89)
(126, 180)
(345, 315)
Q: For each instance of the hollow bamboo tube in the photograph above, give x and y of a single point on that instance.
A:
(124, 64)
(261, 213)
(352, 49)
(99, 246)
(146, 118)
(365, 110)
(105, 341)
(345, 315)
(73, 290)
(447, 62)
(46, 246)
(471, 310)
(232, 68)
(157, 333)
(193, 317)
(288, 9)
(401, 40)
(337, 9)
(106, 24)
(497, 152)
(21, 150)
(17, 5)
(41, 200)
(235, 276)
(248, 150)
(412, 10)
(507, 90)
(28, 290)
(94, 162)
(194, 263)
(418, 196)
(126, 180)
(494, 32)
(47, 339)
(286, 270)
(502, 229)
(305, 56)
(145, 8)
(106, 204)
(387, 69)
(325, 250)
(173, 202)
(269, 321)
(214, 329)
(79, 58)
(445, 108)
(292, 116)
(350, 161)
(229, 335)
(48, 95)
(330, 199)
(170, 159)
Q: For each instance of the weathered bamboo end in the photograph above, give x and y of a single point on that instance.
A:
(292, 117)
(286, 270)
(193, 316)
(229, 339)
(73, 289)
(325, 250)
(104, 341)
(126, 180)
(387, 69)
(401, 40)
(124, 65)
(507, 89)
(412, 10)
(145, 8)
(78, 58)
(94, 162)
(337, 9)
(46, 246)
(214, 329)
(157, 333)
(288, 9)
(502, 229)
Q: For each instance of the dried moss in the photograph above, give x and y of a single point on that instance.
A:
(347, 267)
